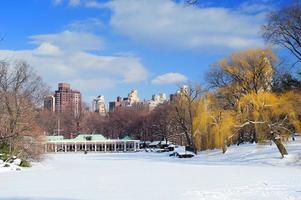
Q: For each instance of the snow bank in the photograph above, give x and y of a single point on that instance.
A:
(254, 154)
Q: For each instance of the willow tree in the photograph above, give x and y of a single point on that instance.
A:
(242, 73)
(213, 125)
(272, 116)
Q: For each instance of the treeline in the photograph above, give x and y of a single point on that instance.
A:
(123, 121)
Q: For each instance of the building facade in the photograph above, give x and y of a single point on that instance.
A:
(156, 100)
(49, 103)
(133, 97)
(98, 105)
(131, 100)
(67, 99)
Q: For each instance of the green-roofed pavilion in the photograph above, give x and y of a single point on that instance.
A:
(90, 143)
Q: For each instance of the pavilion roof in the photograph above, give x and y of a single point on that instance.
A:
(89, 137)
(55, 138)
(80, 137)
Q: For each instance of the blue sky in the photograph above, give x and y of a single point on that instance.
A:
(111, 47)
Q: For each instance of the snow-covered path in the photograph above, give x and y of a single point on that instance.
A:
(151, 176)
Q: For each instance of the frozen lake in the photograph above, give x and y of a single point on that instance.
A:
(155, 176)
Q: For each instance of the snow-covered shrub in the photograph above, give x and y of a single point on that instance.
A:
(17, 161)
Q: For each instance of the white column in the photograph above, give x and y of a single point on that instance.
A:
(85, 146)
(115, 146)
(105, 147)
(95, 147)
(65, 147)
(124, 146)
(135, 146)
(55, 147)
(75, 147)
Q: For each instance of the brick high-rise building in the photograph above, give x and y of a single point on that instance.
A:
(67, 99)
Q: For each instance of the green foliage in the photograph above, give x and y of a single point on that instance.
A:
(4, 148)
(4, 157)
(25, 163)
(4, 151)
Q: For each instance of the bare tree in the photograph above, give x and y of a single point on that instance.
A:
(48, 121)
(184, 105)
(284, 28)
(162, 122)
(21, 93)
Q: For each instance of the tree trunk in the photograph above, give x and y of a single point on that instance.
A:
(280, 146)
(224, 147)
(187, 139)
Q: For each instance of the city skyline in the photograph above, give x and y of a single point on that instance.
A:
(99, 103)
(102, 47)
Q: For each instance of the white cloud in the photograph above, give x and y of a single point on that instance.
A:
(93, 4)
(166, 23)
(47, 49)
(57, 2)
(74, 2)
(169, 78)
(58, 58)
(94, 85)
(87, 25)
(71, 40)
(255, 7)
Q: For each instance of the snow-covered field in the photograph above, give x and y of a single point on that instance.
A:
(249, 172)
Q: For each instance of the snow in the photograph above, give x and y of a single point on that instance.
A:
(248, 172)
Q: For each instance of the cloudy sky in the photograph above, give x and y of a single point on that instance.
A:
(111, 47)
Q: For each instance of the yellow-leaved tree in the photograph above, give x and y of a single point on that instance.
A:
(241, 73)
(273, 117)
(212, 124)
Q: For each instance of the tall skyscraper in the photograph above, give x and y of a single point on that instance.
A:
(98, 105)
(133, 97)
(67, 99)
